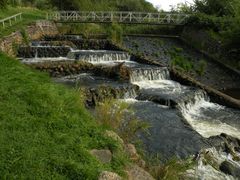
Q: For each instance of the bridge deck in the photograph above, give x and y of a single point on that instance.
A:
(118, 17)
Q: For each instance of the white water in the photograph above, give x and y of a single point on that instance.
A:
(208, 119)
(149, 74)
(171, 87)
(207, 171)
(100, 56)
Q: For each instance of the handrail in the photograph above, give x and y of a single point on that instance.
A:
(10, 19)
(119, 17)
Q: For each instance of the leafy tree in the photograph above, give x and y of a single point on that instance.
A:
(3, 4)
(214, 7)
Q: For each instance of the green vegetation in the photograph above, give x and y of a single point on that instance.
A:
(45, 131)
(105, 5)
(221, 18)
(25, 37)
(30, 15)
(120, 117)
(173, 169)
(115, 33)
(185, 64)
(201, 67)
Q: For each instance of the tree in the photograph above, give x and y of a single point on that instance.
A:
(3, 4)
(215, 7)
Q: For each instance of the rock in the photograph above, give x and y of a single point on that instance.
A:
(114, 136)
(141, 163)
(105, 156)
(105, 175)
(230, 168)
(132, 152)
(134, 172)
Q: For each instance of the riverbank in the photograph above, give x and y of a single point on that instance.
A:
(46, 130)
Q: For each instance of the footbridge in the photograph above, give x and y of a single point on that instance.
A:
(160, 18)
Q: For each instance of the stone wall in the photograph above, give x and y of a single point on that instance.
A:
(35, 31)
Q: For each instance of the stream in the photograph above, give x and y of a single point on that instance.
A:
(183, 120)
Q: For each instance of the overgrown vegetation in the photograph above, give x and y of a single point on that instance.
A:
(186, 64)
(115, 33)
(221, 18)
(173, 169)
(119, 116)
(45, 131)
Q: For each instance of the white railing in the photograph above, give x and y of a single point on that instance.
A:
(118, 17)
(9, 20)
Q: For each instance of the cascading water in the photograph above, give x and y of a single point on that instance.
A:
(98, 56)
(156, 85)
(149, 74)
(210, 119)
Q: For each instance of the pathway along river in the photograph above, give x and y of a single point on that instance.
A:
(182, 130)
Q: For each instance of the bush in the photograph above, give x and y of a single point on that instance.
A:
(115, 33)
(25, 36)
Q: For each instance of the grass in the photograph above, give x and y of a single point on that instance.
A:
(30, 15)
(45, 130)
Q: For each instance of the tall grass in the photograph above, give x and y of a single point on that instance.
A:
(120, 117)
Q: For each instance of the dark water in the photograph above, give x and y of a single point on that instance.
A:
(169, 135)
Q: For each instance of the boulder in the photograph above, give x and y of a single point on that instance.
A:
(132, 152)
(114, 136)
(134, 172)
(105, 175)
(230, 168)
(104, 156)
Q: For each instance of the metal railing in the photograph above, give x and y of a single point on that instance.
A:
(9, 20)
(118, 17)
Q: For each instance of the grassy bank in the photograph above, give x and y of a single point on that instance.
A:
(30, 15)
(45, 131)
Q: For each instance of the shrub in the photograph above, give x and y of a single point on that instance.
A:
(181, 62)
(115, 33)
(25, 36)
